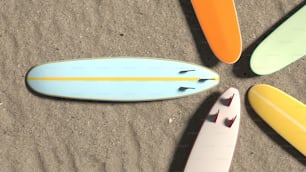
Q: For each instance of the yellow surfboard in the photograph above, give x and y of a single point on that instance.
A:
(285, 114)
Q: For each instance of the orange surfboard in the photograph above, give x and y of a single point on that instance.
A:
(219, 22)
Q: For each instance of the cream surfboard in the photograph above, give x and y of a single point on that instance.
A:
(120, 79)
(285, 45)
(285, 114)
(215, 144)
(219, 22)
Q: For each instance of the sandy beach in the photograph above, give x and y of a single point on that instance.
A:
(48, 134)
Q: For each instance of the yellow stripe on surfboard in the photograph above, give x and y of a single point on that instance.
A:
(116, 79)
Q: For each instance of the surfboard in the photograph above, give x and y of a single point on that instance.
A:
(215, 144)
(285, 45)
(219, 23)
(285, 114)
(120, 79)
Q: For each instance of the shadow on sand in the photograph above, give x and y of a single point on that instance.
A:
(190, 134)
(207, 56)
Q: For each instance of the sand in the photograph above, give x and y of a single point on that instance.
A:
(46, 134)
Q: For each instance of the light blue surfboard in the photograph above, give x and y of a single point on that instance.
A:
(285, 45)
(120, 79)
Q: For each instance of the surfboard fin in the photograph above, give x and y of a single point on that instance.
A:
(231, 122)
(205, 79)
(230, 100)
(216, 116)
(185, 88)
(185, 71)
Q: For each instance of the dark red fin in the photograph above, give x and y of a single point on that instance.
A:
(230, 100)
(231, 121)
(216, 116)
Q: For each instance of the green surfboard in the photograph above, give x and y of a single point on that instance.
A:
(283, 46)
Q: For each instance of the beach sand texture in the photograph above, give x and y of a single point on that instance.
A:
(47, 134)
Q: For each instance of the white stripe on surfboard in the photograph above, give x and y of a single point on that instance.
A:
(286, 115)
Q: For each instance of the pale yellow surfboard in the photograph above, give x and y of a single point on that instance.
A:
(285, 114)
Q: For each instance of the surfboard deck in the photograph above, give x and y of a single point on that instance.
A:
(219, 22)
(285, 45)
(120, 79)
(285, 114)
(215, 144)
